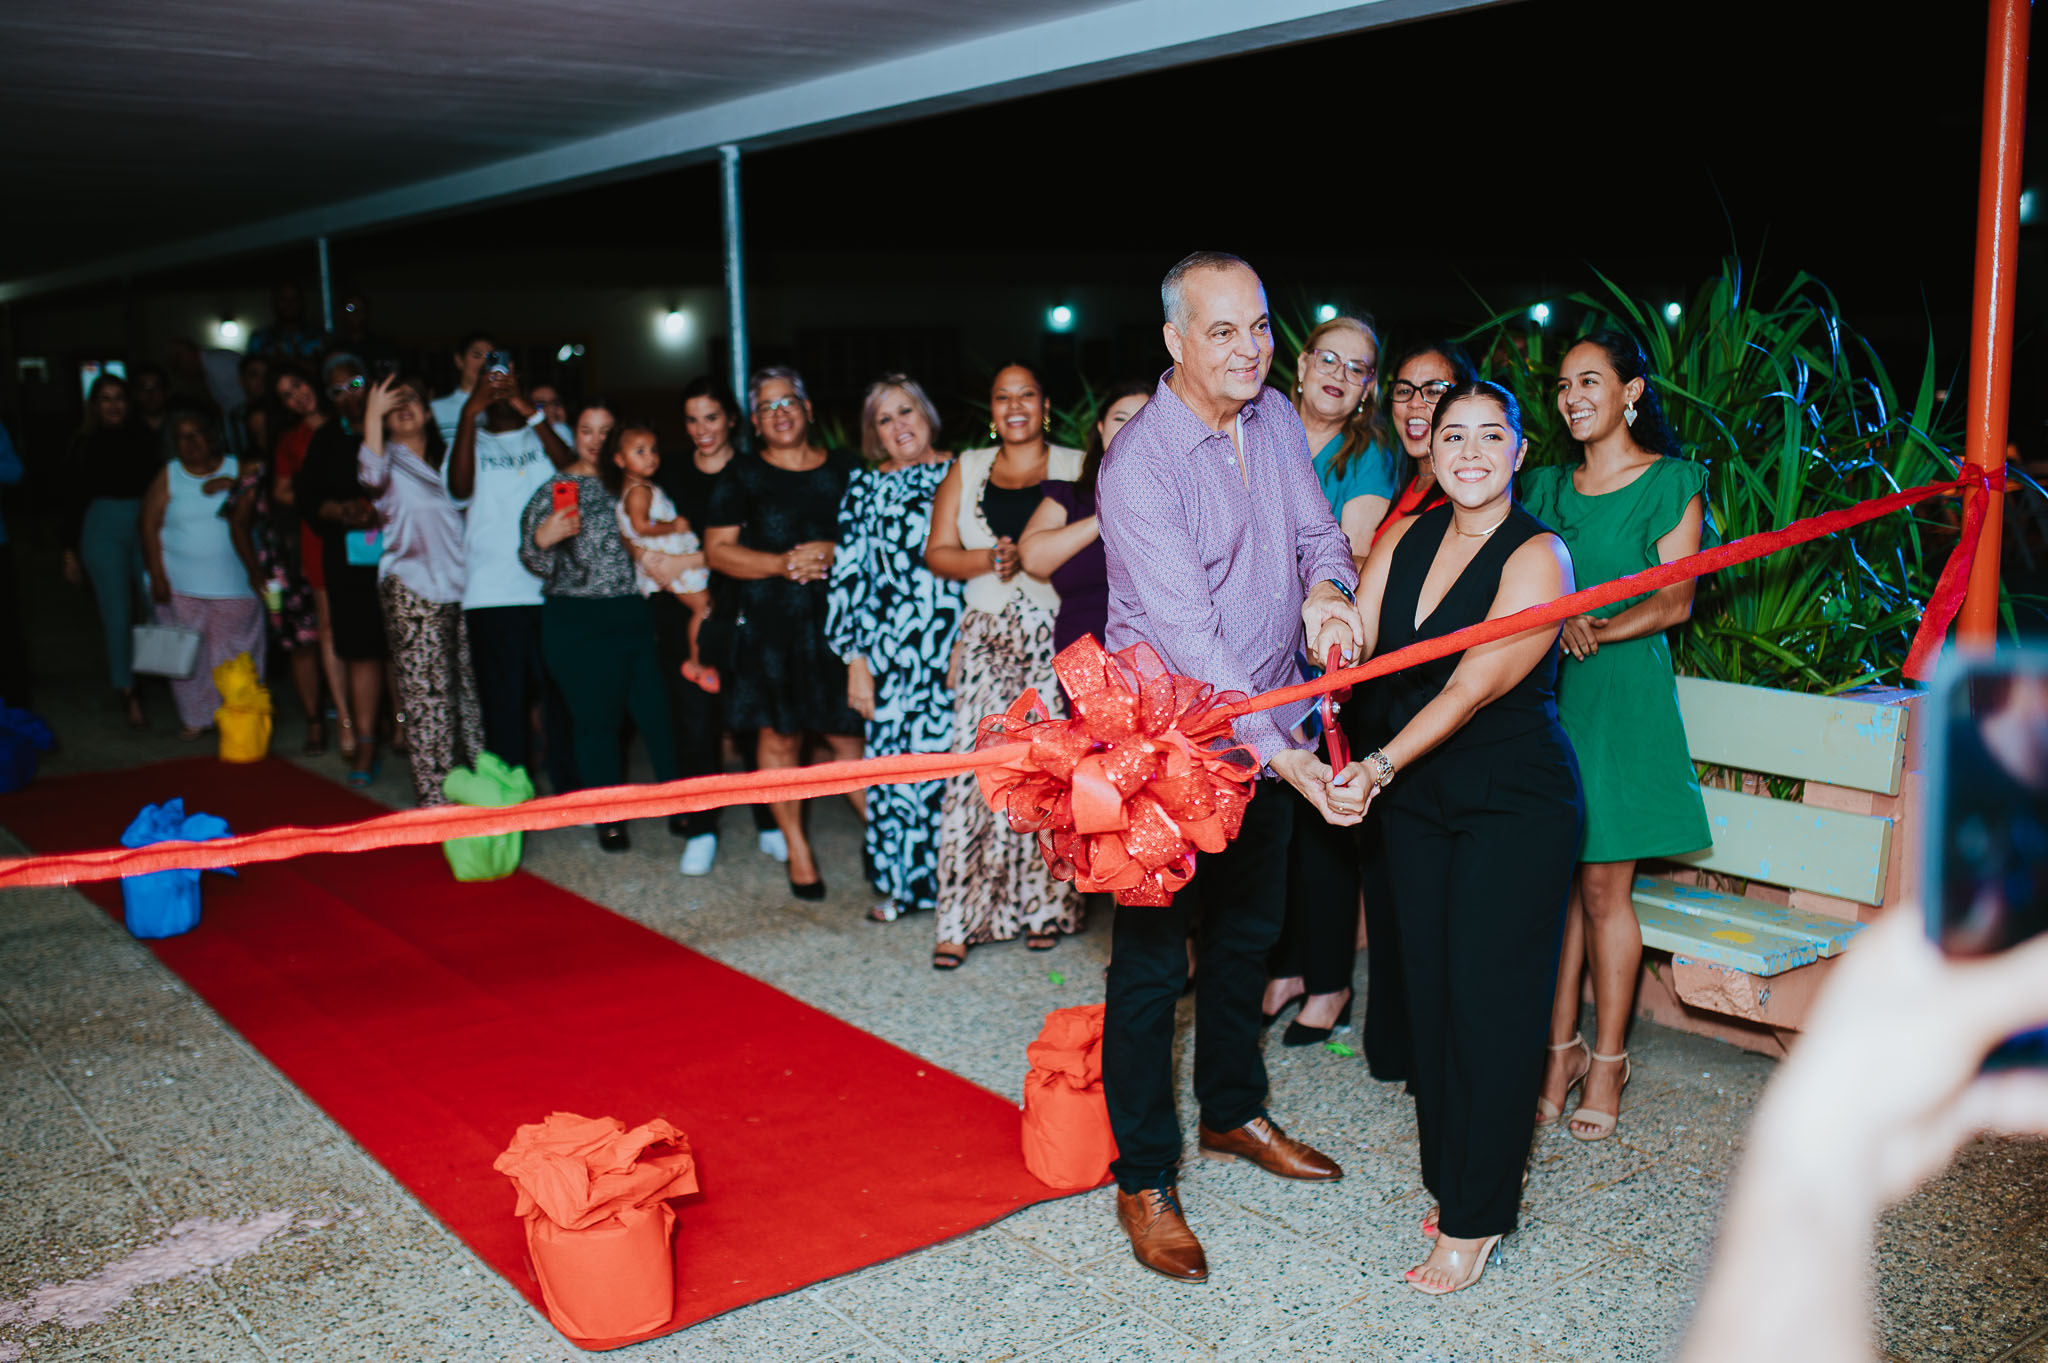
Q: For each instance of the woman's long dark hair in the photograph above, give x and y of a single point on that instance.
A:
(436, 448)
(1651, 430)
(1091, 467)
(90, 420)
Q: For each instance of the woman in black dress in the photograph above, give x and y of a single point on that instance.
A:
(772, 527)
(1479, 796)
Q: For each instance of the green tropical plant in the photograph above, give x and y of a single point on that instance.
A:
(1795, 414)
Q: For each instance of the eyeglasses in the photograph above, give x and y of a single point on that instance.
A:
(1330, 363)
(778, 404)
(1405, 391)
(342, 390)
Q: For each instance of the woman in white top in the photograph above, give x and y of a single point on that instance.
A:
(420, 577)
(993, 884)
(202, 575)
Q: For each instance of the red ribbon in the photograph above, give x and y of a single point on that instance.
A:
(1122, 795)
(1089, 816)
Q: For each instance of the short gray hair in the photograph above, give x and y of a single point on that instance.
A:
(767, 375)
(1173, 288)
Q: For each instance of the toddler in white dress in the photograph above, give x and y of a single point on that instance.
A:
(648, 518)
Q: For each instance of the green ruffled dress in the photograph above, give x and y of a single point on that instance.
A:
(1620, 706)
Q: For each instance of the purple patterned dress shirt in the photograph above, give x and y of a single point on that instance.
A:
(1209, 566)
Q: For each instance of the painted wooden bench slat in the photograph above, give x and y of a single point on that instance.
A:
(1754, 949)
(1828, 936)
(1801, 847)
(1835, 739)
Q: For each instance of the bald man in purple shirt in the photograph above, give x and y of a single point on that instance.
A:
(1224, 557)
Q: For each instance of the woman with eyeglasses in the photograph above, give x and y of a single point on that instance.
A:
(108, 468)
(328, 493)
(1425, 373)
(772, 530)
(1336, 396)
(993, 883)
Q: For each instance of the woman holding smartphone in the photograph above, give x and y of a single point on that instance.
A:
(597, 630)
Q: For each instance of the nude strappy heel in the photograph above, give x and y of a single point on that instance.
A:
(1547, 1111)
(1605, 1122)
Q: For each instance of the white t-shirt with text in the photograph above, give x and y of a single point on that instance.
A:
(510, 467)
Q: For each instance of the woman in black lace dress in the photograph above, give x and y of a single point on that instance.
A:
(772, 530)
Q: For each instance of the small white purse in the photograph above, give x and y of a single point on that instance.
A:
(165, 650)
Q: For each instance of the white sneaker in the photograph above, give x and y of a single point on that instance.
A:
(698, 853)
(773, 844)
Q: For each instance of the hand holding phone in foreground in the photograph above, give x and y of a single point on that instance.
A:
(1878, 1093)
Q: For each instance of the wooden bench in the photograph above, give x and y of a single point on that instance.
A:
(1744, 966)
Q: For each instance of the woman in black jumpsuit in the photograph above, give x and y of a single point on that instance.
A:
(1480, 799)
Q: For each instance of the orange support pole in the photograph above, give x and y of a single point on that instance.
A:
(1991, 313)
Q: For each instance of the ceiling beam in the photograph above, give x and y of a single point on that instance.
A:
(1117, 40)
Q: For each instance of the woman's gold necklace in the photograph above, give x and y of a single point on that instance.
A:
(1482, 534)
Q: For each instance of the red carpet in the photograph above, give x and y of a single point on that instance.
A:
(430, 1018)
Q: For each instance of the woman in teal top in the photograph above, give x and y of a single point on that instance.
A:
(1628, 504)
(1337, 398)
(1336, 394)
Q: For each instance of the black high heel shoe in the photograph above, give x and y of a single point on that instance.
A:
(1299, 1035)
(612, 837)
(813, 891)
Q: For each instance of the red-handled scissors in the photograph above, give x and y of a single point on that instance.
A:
(1333, 732)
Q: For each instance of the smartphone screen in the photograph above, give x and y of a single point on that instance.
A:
(565, 496)
(1988, 884)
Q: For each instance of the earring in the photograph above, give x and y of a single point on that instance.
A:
(993, 438)
(1361, 408)
(1046, 425)
(1297, 390)
(1628, 414)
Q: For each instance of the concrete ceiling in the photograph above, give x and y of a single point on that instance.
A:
(144, 134)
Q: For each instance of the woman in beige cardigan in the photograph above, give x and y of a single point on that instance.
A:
(993, 884)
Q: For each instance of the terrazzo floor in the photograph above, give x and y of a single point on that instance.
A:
(127, 1108)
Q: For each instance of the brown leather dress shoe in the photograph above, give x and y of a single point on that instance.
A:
(1160, 1238)
(1266, 1145)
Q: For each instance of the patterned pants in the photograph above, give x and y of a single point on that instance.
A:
(227, 626)
(436, 686)
(993, 883)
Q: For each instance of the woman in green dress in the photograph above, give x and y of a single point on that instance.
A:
(1627, 504)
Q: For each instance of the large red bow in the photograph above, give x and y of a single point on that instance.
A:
(1122, 795)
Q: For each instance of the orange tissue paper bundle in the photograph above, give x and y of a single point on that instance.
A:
(595, 1199)
(1067, 1141)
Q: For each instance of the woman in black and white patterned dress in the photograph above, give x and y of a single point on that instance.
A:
(892, 621)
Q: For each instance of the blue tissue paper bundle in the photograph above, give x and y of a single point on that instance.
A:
(166, 903)
(23, 735)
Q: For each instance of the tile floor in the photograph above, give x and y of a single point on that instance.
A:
(128, 1107)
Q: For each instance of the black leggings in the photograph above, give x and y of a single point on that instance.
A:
(1319, 940)
(1481, 846)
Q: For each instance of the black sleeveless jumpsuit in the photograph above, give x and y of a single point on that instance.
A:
(1482, 838)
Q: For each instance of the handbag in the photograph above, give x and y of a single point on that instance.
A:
(364, 548)
(165, 650)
